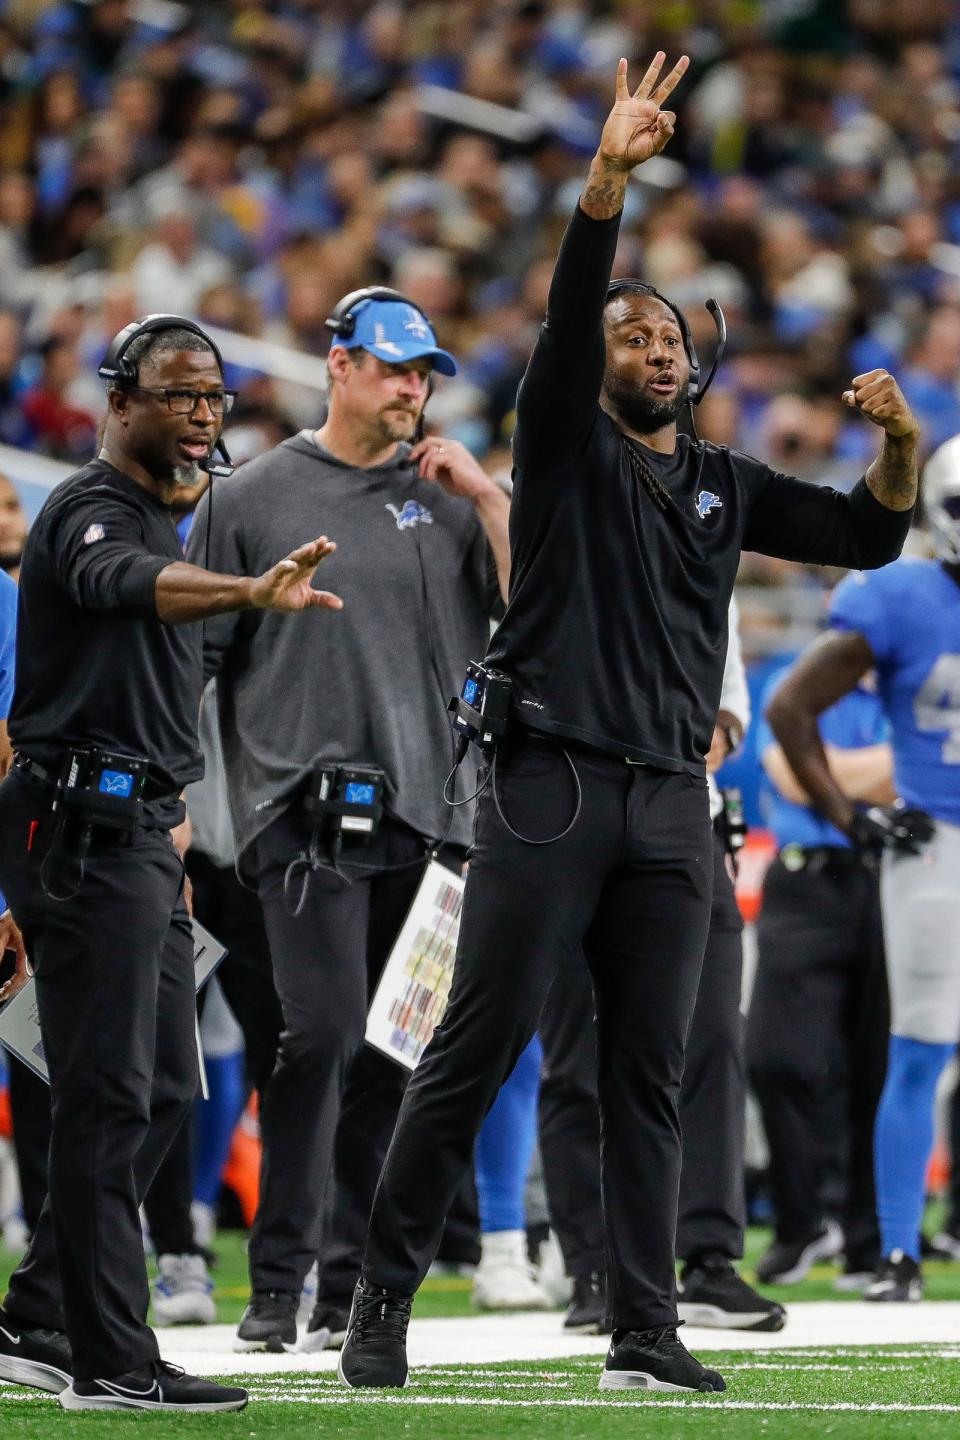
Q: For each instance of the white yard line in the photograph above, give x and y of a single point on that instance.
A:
(527, 1337)
(367, 1397)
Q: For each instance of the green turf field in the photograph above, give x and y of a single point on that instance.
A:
(895, 1392)
(864, 1392)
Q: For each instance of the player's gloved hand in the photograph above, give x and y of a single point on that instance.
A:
(891, 827)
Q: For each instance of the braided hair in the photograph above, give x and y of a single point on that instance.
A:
(647, 476)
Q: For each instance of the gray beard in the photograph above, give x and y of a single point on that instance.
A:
(186, 475)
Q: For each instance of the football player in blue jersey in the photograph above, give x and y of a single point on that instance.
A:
(905, 621)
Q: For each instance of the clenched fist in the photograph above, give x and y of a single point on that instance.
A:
(878, 396)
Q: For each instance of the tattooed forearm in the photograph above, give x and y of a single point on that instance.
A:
(603, 193)
(893, 477)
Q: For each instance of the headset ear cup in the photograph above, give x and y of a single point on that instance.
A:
(342, 322)
(116, 367)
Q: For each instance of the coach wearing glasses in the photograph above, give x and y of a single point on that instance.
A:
(109, 662)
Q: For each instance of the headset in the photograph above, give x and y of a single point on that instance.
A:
(343, 319)
(695, 390)
(342, 323)
(117, 369)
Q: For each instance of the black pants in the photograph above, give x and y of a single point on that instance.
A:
(631, 883)
(818, 1021)
(235, 915)
(331, 1101)
(115, 991)
(712, 1102)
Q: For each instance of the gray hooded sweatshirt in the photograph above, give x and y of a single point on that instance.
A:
(367, 684)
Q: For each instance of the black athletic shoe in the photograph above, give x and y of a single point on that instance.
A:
(586, 1313)
(327, 1326)
(33, 1356)
(375, 1350)
(787, 1262)
(269, 1322)
(898, 1278)
(157, 1386)
(655, 1360)
(713, 1294)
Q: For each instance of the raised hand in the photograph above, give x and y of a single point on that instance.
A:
(287, 585)
(636, 127)
(878, 396)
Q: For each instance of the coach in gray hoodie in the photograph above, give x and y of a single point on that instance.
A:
(421, 564)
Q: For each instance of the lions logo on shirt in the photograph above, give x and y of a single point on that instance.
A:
(707, 501)
(413, 513)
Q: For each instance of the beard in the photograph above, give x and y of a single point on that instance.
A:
(395, 426)
(186, 476)
(640, 411)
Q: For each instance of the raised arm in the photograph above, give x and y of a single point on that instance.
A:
(864, 530)
(558, 397)
(894, 476)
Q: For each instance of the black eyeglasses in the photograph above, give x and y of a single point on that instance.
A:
(185, 402)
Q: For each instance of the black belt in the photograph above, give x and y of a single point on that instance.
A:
(33, 768)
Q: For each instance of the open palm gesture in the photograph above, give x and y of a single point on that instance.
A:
(287, 586)
(636, 127)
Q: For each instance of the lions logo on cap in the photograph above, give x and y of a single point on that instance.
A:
(416, 324)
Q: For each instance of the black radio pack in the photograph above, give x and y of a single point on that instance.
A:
(345, 800)
(480, 713)
(101, 787)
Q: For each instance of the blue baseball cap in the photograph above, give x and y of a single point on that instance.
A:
(394, 331)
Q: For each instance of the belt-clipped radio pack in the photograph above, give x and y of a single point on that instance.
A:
(101, 787)
(345, 800)
(479, 714)
(339, 801)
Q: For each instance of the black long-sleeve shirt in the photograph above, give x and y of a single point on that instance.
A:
(616, 630)
(95, 665)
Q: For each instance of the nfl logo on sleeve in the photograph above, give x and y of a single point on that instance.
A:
(93, 533)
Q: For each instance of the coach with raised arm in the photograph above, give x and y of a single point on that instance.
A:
(625, 542)
(104, 729)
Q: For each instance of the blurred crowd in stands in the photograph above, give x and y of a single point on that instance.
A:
(247, 163)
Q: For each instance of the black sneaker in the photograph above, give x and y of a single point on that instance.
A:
(375, 1350)
(787, 1262)
(713, 1294)
(157, 1386)
(586, 1313)
(327, 1326)
(898, 1278)
(30, 1355)
(269, 1322)
(655, 1360)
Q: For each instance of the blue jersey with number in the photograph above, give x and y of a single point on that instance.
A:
(909, 614)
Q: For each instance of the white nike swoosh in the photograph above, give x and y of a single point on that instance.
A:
(123, 1390)
(14, 1339)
